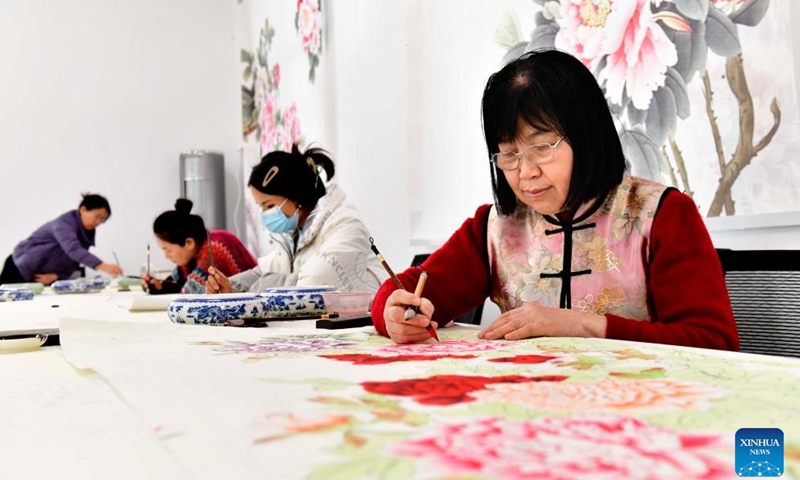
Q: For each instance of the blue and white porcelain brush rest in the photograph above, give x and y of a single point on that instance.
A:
(77, 285)
(294, 301)
(275, 303)
(98, 283)
(217, 309)
(15, 294)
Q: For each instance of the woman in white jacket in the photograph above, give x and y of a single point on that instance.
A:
(317, 236)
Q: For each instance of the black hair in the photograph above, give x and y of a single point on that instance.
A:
(295, 175)
(93, 201)
(175, 226)
(553, 91)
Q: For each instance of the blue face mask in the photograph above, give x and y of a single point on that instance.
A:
(276, 221)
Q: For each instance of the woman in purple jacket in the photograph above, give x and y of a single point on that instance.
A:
(57, 248)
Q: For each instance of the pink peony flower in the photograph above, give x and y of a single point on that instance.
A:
(367, 359)
(564, 448)
(313, 42)
(635, 47)
(607, 394)
(267, 123)
(276, 75)
(455, 346)
(291, 121)
(308, 24)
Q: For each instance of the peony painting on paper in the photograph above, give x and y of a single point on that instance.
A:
(300, 403)
(704, 91)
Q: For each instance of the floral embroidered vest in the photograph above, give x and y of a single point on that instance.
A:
(593, 263)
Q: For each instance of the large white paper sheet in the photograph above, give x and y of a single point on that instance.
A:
(60, 423)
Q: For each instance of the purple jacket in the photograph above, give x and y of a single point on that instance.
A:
(59, 246)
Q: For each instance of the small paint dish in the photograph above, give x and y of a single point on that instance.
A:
(15, 294)
(124, 284)
(25, 343)
(347, 303)
(294, 301)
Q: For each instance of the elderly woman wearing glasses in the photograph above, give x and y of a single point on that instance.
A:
(573, 246)
(57, 248)
(318, 237)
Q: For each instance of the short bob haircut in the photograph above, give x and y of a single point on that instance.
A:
(553, 91)
(176, 226)
(93, 201)
(295, 175)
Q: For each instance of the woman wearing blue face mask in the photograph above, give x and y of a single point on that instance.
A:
(317, 236)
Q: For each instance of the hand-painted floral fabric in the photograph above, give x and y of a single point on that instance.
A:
(296, 403)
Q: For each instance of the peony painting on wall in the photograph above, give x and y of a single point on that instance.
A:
(703, 90)
(283, 91)
(266, 119)
(308, 23)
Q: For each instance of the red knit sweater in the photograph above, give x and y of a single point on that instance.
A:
(230, 257)
(689, 302)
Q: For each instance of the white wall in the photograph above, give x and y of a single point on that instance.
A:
(452, 53)
(102, 96)
(367, 51)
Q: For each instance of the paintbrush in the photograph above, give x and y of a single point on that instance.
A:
(413, 311)
(147, 287)
(399, 284)
(210, 251)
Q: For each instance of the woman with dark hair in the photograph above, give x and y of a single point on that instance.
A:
(318, 237)
(58, 248)
(573, 246)
(186, 242)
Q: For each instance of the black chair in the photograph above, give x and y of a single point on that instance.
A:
(473, 317)
(764, 287)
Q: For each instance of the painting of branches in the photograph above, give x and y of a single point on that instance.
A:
(678, 76)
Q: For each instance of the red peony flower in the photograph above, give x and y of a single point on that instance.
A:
(448, 389)
(528, 359)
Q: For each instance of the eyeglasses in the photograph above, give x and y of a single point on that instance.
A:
(537, 154)
(100, 217)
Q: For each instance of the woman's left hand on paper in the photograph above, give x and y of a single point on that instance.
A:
(532, 320)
